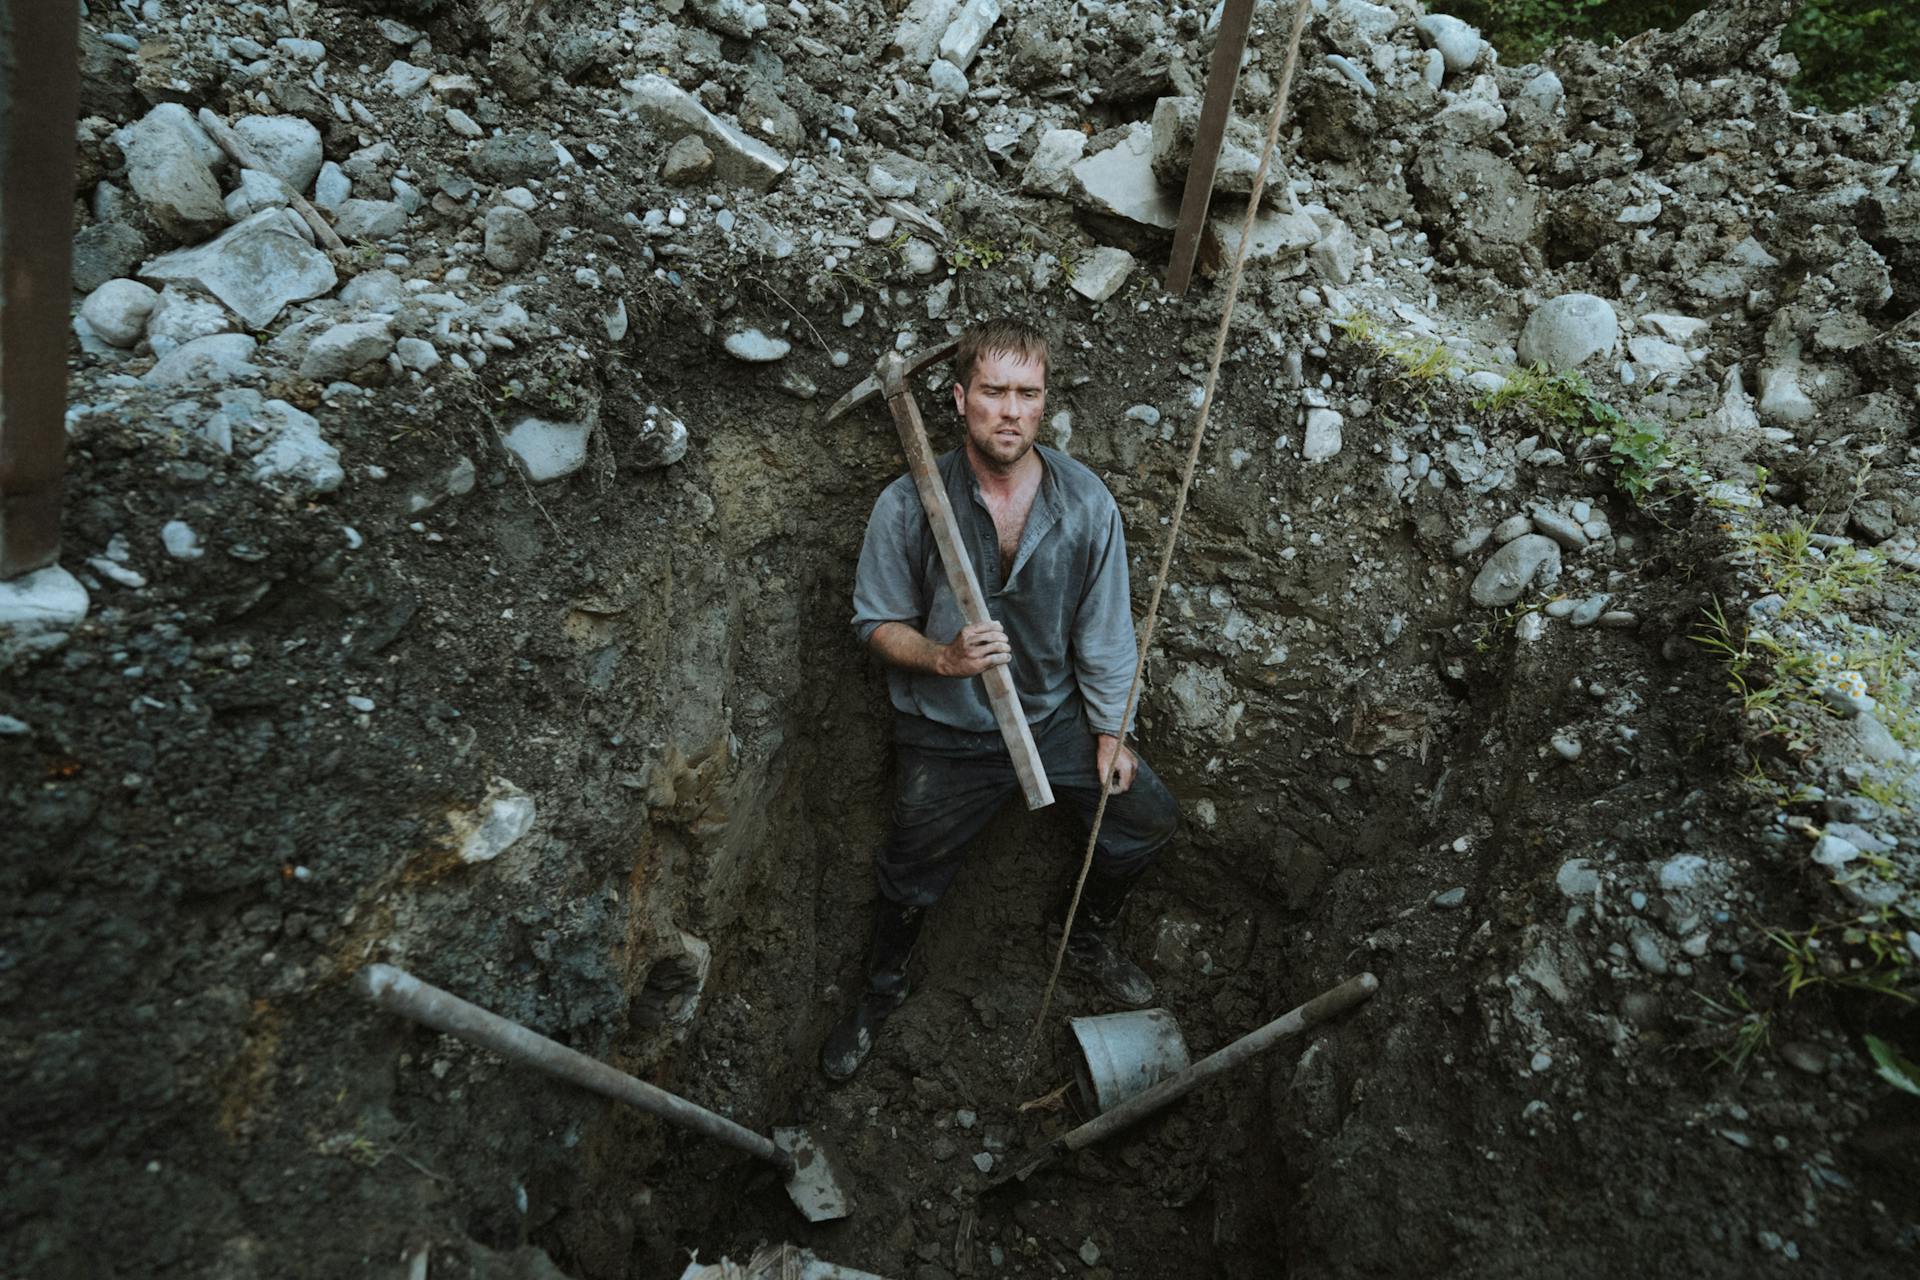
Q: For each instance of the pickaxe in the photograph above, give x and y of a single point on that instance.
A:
(889, 378)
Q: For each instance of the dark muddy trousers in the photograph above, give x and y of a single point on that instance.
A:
(952, 782)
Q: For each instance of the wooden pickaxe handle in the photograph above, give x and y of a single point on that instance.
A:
(961, 579)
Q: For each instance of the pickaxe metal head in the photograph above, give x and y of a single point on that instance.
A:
(875, 384)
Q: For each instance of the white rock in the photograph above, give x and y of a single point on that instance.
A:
(1657, 356)
(46, 599)
(118, 311)
(1323, 435)
(1099, 275)
(920, 257)
(462, 123)
(917, 38)
(1458, 42)
(1433, 68)
(736, 18)
(181, 542)
(1567, 331)
(496, 824)
(181, 316)
(1543, 92)
(1734, 413)
(220, 357)
(403, 79)
(1047, 173)
(308, 51)
(1515, 566)
(286, 146)
(738, 159)
(257, 190)
(1833, 852)
(1334, 255)
(1371, 21)
(548, 450)
(1680, 329)
(1782, 402)
(1275, 236)
(257, 267)
(887, 185)
(961, 42)
(756, 347)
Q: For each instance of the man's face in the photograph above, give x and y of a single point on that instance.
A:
(1002, 408)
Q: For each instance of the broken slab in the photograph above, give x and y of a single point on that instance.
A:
(49, 598)
(1275, 236)
(1177, 120)
(916, 40)
(1120, 183)
(1050, 169)
(170, 166)
(257, 267)
(738, 159)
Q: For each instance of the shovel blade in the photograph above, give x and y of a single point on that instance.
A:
(812, 1188)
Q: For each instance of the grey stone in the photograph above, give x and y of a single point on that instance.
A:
(181, 542)
(1175, 123)
(516, 158)
(1323, 435)
(1512, 527)
(294, 455)
(118, 311)
(462, 123)
(43, 600)
(1099, 275)
(105, 251)
(219, 357)
(170, 164)
(687, 161)
(1567, 331)
(1734, 414)
(1513, 568)
(257, 190)
(1683, 871)
(1452, 899)
(960, 43)
(345, 348)
(369, 220)
(1802, 1056)
(181, 316)
(1875, 743)
(1657, 356)
(503, 816)
(1048, 172)
(886, 184)
(1562, 530)
(1458, 42)
(256, 267)
(512, 238)
(1588, 611)
(286, 146)
(1647, 952)
(1468, 120)
(947, 80)
(417, 354)
(1276, 237)
(1543, 93)
(1566, 746)
(1334, 255)
(920, 257)
(736, 18)
(663, 439)
(379, 289)
(332, 186)
(756, 347)
(739, 159)
(548, 450)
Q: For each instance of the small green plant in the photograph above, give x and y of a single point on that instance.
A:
(1900, 1072)
(1745, 1029)
(1878, 961)
(971, 252)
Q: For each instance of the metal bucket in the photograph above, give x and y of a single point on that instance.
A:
(1124, 1054)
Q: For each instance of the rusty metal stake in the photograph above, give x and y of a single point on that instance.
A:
(39, 112)
(1223, 76)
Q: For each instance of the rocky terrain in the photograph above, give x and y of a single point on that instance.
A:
(472, 596)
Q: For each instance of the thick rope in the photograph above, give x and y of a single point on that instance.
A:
(1180, 504)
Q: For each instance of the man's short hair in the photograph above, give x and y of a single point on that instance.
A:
(1007, 336)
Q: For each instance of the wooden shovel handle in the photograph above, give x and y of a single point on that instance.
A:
(962, 581)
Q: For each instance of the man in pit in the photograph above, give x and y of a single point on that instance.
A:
(1045, 539)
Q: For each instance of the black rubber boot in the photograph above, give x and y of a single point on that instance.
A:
(894, 932)
(1090, 951)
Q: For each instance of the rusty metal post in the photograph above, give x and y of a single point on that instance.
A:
(39, 112)
(1223, 76)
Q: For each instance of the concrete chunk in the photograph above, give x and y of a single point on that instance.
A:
(1101, 273)
(738, 159)
(1120, 182)
(961, 43)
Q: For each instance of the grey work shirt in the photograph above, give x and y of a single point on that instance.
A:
(1064, 604)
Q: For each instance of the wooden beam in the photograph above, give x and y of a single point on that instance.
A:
(1223, 76)
(39, 112)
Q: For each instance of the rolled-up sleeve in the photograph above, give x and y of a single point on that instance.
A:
(1103, 641)
(885, 588)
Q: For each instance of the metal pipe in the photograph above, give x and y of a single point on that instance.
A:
(398, 991)
(39, 111)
